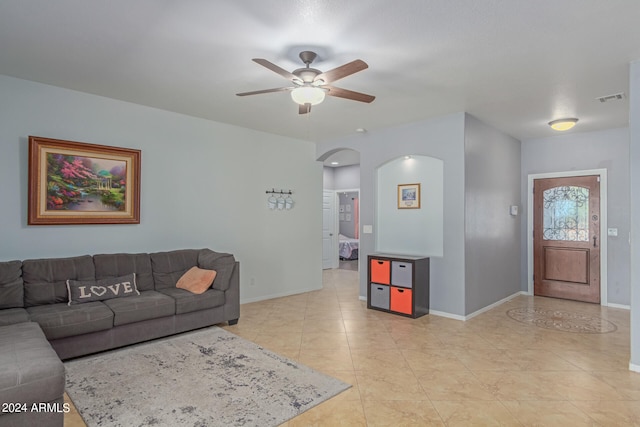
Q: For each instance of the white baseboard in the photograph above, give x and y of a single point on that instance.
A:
(633, 367)
(447, 315)
(464, 318)
(622, 306)
(278, 295)
(494, 305)
(361, 298)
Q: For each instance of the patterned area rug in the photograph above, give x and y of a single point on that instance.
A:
(206, 378)
(560, 320)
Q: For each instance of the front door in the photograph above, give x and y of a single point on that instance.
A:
(566, 238)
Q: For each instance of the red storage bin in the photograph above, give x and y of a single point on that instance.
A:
(380, 271)
(401, 301)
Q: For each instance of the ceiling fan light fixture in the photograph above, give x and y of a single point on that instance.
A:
(307, 95)
(563, 124)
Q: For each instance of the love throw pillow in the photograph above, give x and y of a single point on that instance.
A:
(81, 291)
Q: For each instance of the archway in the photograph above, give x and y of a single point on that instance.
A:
(341, 187)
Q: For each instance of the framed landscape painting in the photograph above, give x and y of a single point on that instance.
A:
(409, 196)
(78, 183)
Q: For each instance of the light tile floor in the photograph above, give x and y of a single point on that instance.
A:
(489, 370)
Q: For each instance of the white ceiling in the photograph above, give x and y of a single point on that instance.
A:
(514, 64)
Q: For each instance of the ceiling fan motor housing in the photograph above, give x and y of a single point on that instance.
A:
(307, 75)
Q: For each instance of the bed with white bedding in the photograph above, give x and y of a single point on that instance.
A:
(348, 248)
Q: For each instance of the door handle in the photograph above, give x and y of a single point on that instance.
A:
(594, 241)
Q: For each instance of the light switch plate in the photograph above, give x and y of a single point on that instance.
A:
(613, 232)
(367, 229)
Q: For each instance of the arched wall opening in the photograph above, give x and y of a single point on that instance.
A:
(413, 230)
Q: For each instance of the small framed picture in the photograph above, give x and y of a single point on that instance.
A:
(409, 196)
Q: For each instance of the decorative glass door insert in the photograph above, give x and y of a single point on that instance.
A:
(566, 214)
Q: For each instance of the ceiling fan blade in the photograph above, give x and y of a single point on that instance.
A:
(273, 67)
(304, 108)
(257, 92)
(342, 71)
(349, 94)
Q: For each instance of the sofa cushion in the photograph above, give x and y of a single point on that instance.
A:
(83, 291)
(196, 280)
(62, 320)
(9, 316)
(11, 287)
(115, 265)
(168, 267)
(45, 280)
(148, 305)
(222, 263)
(31, 370)
(187, 302)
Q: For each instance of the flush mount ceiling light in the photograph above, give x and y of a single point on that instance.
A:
(563, 124)
(307, 95)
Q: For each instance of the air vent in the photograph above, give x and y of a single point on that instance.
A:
(614, 97)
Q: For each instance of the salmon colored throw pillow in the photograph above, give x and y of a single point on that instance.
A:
(196, 280)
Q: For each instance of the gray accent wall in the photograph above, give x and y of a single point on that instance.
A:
(492, 234)
(347, 214)
(328, 178)
(347, 177)
(634, 129)
(608, 149)
(203, 185)
(442, 138)
(466, 277)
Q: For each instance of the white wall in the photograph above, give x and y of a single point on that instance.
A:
(203, 185)
(410, 231)
(608, 149)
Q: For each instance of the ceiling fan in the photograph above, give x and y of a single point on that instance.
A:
(311, 85)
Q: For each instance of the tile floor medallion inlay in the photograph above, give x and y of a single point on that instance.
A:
(560, 320)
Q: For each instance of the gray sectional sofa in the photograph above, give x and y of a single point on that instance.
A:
(39, 327)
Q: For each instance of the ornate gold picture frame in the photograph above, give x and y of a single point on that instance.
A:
(79, 183)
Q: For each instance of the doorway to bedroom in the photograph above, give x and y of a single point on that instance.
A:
(341, 210)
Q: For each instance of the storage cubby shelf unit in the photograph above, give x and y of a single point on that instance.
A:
(398, 284)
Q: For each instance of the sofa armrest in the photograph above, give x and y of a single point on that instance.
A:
(232, 296)
(223, 263)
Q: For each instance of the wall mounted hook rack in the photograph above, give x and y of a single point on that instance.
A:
(274, 191)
